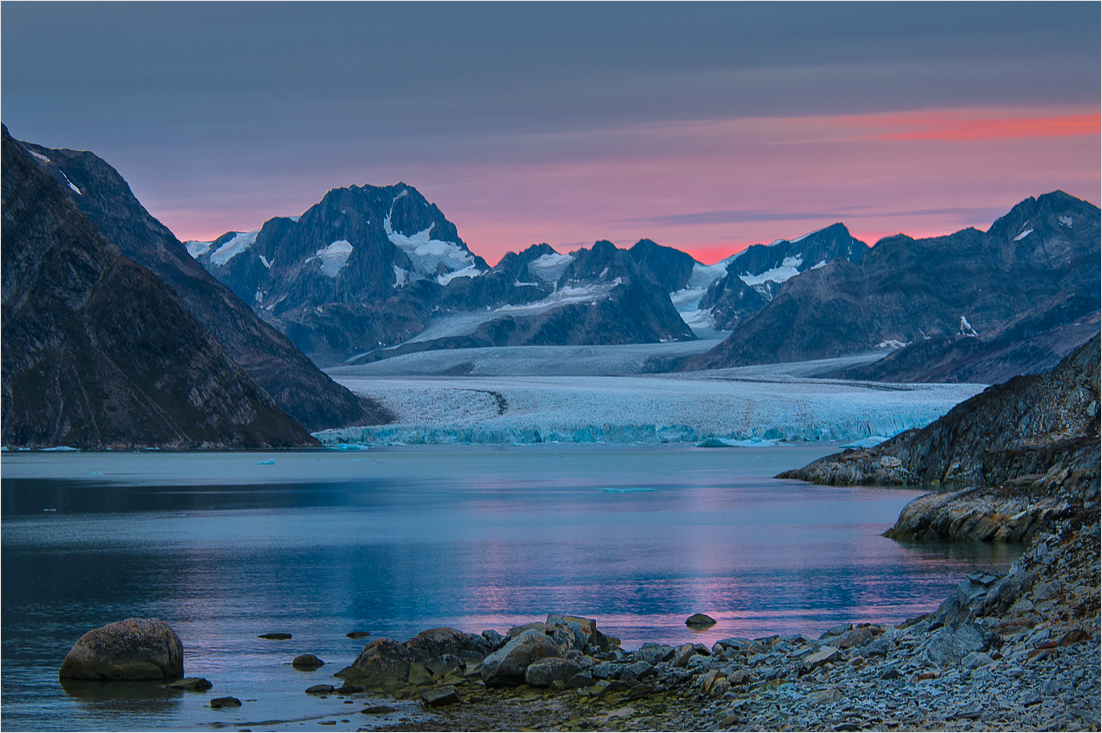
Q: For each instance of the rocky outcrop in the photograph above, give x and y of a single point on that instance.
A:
(1033, 425)
(99, 353)
(1029, 448)
(1032, 274)
(293, 382)
(134, 649)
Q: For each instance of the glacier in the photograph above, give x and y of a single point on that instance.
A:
(730, 407)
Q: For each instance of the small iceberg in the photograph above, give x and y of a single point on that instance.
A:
(627, 490)
(269, 462)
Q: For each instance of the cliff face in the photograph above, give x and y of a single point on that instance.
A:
(269, 358)
(98, 352)
(1009, 430)
(1028, 449)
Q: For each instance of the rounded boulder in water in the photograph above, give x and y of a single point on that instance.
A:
(134, 649)
(700, 621)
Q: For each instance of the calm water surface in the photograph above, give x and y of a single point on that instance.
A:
(394, 541)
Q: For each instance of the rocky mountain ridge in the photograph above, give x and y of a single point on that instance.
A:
(99, 353)
(270, 359)
(973, 305)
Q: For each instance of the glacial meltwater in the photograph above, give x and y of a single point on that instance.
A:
(228, 546)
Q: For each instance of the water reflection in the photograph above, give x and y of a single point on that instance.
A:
(103, 698)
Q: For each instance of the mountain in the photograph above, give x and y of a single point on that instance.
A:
(97, 351)
(972, 305)
(371, 267)
(756, 274)
(295, 384)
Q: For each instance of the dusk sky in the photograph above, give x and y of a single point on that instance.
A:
(706, 127)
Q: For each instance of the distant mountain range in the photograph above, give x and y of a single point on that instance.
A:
(971, 306)
(371, 272)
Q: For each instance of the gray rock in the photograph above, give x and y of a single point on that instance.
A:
(507, 665)
(384, 663)
(494, 639)
(444, 641)
(134, 649)
(641, 669)
(225, 702)
(700, 621)
(275, 636)
(828, 654)
(950, 644)
(357, 634)
(652, 653)
(321, 690)
(306, 661)
(546, 671)
(439, 696)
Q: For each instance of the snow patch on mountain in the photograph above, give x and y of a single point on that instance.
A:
(1023, 235)
(785, 271)
(334, 257)
(549, 267)
(197, 249)
(687, 300)
(428, 255)
(240, 243)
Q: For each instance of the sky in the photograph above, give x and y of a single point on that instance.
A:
(702, 126)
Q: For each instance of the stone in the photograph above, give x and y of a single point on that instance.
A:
(552, 669)
(419, 675)
(508, 665)
(306, 661)
(700, 621)
(827, 654)
(974, 660)
(652, 653)
(641, 669)
(439, 696)
(134, 649)
(357, 634)
(384, 663)
(225, 702)
(379, 710)
(275, 636)
(320, 690)
(445, 641)
(347, 689)
(494, 639)
(192, 684)
(950, 644)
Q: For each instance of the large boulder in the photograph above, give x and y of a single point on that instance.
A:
(444, 642)
(384, 663)
(134, 649)
(508, 665)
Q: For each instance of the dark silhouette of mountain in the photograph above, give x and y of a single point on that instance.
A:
(97, 351)
(1025, 292)
(270, 359)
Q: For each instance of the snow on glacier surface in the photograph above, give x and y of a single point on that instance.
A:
(749, 404)
(234, 247)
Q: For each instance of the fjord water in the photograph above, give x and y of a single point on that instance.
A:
(225, 547)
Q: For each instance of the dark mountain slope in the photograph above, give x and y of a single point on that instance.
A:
(1036, 272)
(1020, 428)
(273, 362)
(97, 352)
(767, 267)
